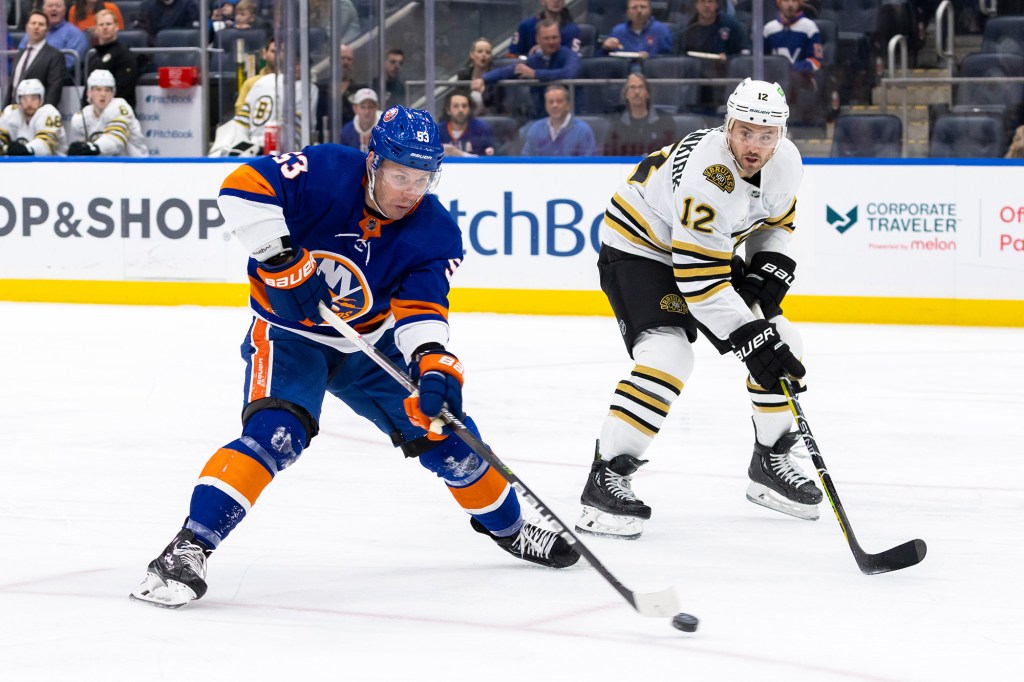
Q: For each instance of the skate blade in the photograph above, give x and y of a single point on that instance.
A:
(766, 497)
(593, 521)
(166, 595)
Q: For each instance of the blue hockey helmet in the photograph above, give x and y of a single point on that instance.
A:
(408, 137)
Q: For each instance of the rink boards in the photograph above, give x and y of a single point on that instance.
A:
(902, 241)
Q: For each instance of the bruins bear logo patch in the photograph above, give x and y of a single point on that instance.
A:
(721, 177)
(674, 303)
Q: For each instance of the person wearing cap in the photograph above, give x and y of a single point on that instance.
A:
(107, 125)
(356, 133)
(696, 241)
(362, 234)
(30, 127)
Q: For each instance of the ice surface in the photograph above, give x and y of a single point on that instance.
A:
(356, 565)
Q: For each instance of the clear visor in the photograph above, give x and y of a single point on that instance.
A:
(405, 179)
(765, 137)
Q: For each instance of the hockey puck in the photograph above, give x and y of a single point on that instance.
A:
(684, 622)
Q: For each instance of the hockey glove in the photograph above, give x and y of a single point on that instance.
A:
(767, 280)
(767, 356)
(246, 149)
(19, 148)
(439, 374)
(82, 148)
(295, 287)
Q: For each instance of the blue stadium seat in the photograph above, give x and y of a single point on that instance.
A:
(687, 123)
(600, 125)
(965, 136)
(680, 97)
(588, 40)
(1004, 34)
(601, 98)
(506, 134)
(177, 37)
(776, 69)
(133, 38)
(867, 135)
(988, 64)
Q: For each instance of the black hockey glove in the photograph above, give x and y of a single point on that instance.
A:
(82, 148)
(245, 149)
(766, 281)
(19, 148)
(767, 356)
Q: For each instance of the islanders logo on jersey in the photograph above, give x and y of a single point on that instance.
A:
(390, 114)
(351, 295)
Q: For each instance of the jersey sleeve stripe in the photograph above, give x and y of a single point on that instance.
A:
(698, 271)
(614, 223)
(699, 252)
(407, 309)
(247, 183)
(641, 225)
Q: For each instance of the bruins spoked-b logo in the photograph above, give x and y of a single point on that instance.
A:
(721, 177)
(674, 303)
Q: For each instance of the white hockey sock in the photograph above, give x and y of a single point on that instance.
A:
(641, 402)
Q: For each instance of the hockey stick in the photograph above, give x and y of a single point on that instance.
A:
(651, 604)
(903, 556)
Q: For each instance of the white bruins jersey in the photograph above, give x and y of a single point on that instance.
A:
(262, 102)
(44, 134)
(687, 206)
(115, 130)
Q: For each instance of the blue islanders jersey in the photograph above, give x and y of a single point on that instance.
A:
(382, 273)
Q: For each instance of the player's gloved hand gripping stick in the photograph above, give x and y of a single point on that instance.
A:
(652, 604)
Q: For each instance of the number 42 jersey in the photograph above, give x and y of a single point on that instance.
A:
(687, 207)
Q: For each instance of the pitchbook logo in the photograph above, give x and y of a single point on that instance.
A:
(838, 220)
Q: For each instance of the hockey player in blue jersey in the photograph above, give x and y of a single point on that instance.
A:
(363, 234)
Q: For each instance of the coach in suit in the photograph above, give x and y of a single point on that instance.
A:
(39, 60)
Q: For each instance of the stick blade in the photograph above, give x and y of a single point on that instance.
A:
(663, 604)
(904, 556)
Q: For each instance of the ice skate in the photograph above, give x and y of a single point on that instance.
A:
(610, 507)
(777, 484)
(177, 576)
(544, 547)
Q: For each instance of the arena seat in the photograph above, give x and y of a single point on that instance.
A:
(867, 135)
(965, 136)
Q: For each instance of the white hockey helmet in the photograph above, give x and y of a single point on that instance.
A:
(30, 86)
(100, 78)
(758, 102)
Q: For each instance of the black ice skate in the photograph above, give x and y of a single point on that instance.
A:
(777, 484)
(610, 507)
(177, 576)
(544, 547)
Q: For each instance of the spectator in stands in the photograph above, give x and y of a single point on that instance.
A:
(1016, 150)
(553, 61)
(83, 14)
(481, 60)
(797, 38)
(115, 57)
(561, 133)
(61, 35)
(107, 125)
(642, 33)
(156, 15)
(320, 15)
(640, 129)
(394, 86)
(525, 40)
(222, 15)
(347, 86)
(461, 133)
(356, 133)
(246, 17)
(713, 32)
(40, 60)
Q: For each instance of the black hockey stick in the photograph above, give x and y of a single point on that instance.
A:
(651, 604)
(902, 556)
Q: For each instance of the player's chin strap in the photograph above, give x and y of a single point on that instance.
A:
(371, 183)
(651, 604)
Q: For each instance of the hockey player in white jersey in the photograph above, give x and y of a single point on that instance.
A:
(31, 128)
(243, 135)
(670, 268)
(107, 125)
